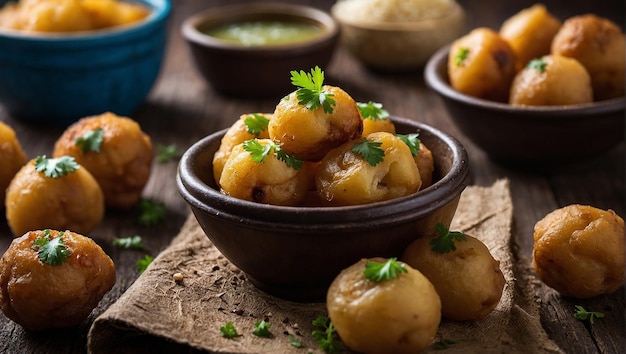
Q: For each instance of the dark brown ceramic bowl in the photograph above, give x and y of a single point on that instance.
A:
(258, 71)
(529, 135)
(295, 252)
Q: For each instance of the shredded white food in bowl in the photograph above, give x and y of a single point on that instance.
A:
(393, 10)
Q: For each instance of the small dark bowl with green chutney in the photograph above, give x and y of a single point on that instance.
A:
(245, 50)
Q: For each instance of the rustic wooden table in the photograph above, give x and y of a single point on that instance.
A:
(182, 108)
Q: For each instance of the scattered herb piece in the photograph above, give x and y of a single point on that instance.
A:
(151, 212)
(311, 92)
(584, 315)
(90, 141)
(166, 153)
(51, 251)
(262, 329)
(143, 263)
(370, 151)
(228, 330)
(412, 141)
(460, 56)
(444, 243)
(294, 341)
(132, 242)
(56, 167)
(256, 123)
(378, 272)
(372, 110)
(326, 337)
(445, 343)
(538, 64)
(259, 151)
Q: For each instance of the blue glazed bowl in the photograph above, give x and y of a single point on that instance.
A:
(56, 79)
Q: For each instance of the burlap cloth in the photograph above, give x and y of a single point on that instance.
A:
(157, 314)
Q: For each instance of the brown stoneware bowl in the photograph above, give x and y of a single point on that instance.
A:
(295, 252)
(529, 135)
(258, 70)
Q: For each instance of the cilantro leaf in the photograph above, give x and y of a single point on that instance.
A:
(294, 341)
(143, 263)
(584, 315)
(151, 212)
(370, 151)
(90, 141)
(262, 329)
(538, 64)
(228, 330)
(326, 336)
(166, 153)
(311, 92)
(132, 242)
(372, 110)
(445, 343)
(51, 251)
(412, 141)
(378, 272)
(444, 243)
(56, 167)
(256, 123)
(460, 56)
(258, 153)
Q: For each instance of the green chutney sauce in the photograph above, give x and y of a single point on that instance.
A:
(261, 33)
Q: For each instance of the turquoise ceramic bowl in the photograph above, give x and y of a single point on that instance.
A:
(56, 79)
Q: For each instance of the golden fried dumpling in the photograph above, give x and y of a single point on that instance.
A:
(12, 157)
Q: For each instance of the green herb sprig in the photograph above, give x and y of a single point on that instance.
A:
(90, 141)
(143, 263)
(584, 315)
(444, 243)
(538, 64)
(412, 141)
(370, 151)
(311, 92)
(258, 153)
(388, 270)
(326, 336)
(256, 123)
(51, 251)
(228, 330)
(132, 242)
(460, 56)
(56, 167)
(166, 153)
(152, 212)
(294, 341)
(262, 329)
(372, 110)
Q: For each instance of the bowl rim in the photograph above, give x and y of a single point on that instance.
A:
(330, 28)
(456, 13)
(440, 84)
(160, 10)
(404, 208)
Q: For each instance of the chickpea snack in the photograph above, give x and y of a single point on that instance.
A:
(53, 279)
(381, 306)
(579, 251)
(12, 157)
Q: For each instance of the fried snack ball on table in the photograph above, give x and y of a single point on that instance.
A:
(552, 80)
(579, 251)
(69, 198)
(393, 315)
(270, 181)
(248, 126)
(120, 161)
(12, 157)
(482, 64)
(467, 278)
(345, 177)
(52, 279)
(530, 33)
(599, 45)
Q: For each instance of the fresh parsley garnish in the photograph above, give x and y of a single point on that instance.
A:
(258, 153)
(372, 110)
(445, 343)
(256, 123)
(370, 151)
(51, 251)
(460, 56)
(311, 92)
(56, 167)
(132, 242)
(143, 263)
(538, 64)
(294, 341)
(444, 243)
(326, 336)
(262, 329)
(584, 315)
(228, 330)
(166, 153)
(151, 212)
(412, 141)
(378, 272)
(90, 141)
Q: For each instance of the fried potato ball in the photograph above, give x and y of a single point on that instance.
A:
(12, 157)
(71, 202)
(310, 134)
(598, 44)
(377, 125)
(39, 295)
(530, 33)
(121, 163)
(269, 182)
(344, 177)
(482, 64)
(551, 80)
(425, 164)
(579, 251)
(400, 315)
(237, 134)
(468, 280)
